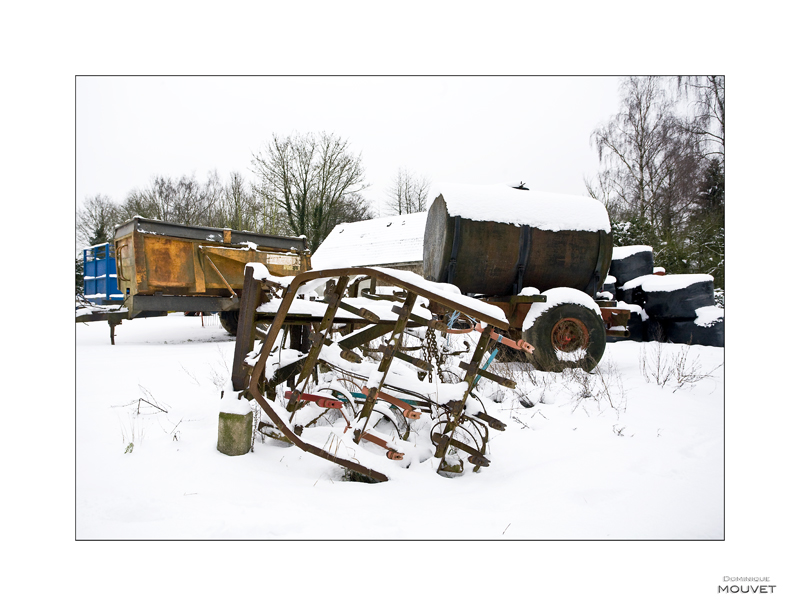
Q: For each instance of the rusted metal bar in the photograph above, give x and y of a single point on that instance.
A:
(520, 344)
(245, 332)
(492, 422)
(233, 293)
(317, 451)
(392, 454)
(615, 317)
(408, 411)
(321, 401)
(476, 457)
(488, 375)
(414, 361)
(366, 335)
(365, 314)
(418, 320)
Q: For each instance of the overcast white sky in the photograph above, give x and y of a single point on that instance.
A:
(493, 129)
(478, 130)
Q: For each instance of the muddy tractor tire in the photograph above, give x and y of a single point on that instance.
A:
(566, 336)
(229, 319)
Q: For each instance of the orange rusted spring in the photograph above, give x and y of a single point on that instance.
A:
(408, 410)
(391, 453)
(520, 344)
(321, 401)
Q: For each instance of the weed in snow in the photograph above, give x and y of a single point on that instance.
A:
(663, 364)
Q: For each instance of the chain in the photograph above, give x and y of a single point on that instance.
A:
(431, 353)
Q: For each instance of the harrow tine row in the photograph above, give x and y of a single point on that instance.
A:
(343, 388)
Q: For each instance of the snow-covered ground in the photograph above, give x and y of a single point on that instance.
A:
(632, 452)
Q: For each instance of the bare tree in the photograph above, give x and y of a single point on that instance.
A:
(650, 167)
(184, 200)
(408, 193)
(632, 145)
(235, 208)
(96, 220)
(662, 173)
(706, 94)
(312, 178)
(270, 216)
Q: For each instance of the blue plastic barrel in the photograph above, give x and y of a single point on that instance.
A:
(100, 275)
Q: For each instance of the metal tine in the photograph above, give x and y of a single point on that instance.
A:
(383, 367)
(458, 407)
(317, 344)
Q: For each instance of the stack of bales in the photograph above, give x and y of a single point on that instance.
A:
(664, 307)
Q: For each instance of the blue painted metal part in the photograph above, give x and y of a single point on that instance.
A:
(488, 361)
(100, 275)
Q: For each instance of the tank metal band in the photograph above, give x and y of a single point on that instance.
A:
(451, 267)
(524, 254)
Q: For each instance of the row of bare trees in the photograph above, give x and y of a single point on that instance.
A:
(304, 185)
(408, 193)
(316, 182)
(662, 175)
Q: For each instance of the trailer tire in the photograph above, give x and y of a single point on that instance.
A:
(229, 319)
(566, 336)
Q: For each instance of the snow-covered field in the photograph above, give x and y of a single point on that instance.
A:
(633, 452)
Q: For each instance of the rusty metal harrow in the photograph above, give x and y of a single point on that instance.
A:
(362, 377)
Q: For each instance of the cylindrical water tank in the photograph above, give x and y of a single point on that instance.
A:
(496, 240)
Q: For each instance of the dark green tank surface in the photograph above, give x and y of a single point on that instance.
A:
(498, 259)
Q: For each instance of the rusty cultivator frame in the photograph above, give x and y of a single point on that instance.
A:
(357, 377)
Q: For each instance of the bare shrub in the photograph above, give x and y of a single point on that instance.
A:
(664, 364)
(655, 363)
(688, 371)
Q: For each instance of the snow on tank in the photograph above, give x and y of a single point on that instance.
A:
(506, 204)
(496, 240)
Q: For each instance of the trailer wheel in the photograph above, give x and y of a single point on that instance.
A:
(229, 319)
(566, 336)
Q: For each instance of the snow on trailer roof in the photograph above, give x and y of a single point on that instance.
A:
(506, 204)
(378, 241)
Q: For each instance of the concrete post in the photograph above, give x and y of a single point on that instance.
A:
(235, 433)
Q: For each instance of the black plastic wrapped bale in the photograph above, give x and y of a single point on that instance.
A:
(496, 240)
(629, 262)
(707, 329)
(675, 296)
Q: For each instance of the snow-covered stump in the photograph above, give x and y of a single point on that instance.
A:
(235, 431)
